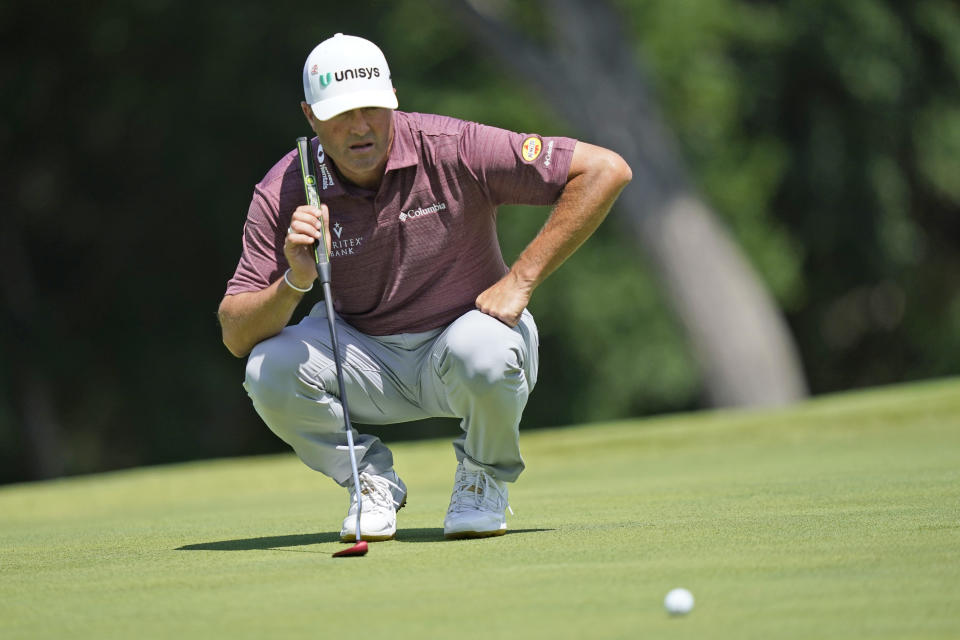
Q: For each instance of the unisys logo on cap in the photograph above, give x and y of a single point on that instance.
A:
(344, 74)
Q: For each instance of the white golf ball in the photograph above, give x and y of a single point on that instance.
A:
(678, 602)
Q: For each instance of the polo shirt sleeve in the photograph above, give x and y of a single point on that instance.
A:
(516, 168)
(261, 262)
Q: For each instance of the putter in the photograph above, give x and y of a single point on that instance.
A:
(322, 258)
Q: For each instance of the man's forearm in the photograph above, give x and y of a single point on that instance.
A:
(596, 178)
(249, 318)
(584, 204)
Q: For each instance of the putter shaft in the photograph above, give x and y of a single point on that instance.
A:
(322, 259)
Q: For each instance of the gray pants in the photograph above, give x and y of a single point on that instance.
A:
(476, 369)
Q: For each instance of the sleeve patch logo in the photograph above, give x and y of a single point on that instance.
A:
(531, 148)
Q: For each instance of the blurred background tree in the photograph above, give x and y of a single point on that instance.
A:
(587, 70)
(825, 136)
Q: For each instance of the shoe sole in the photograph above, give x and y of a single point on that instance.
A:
(353, 538)
(462, 535)
(368, 538)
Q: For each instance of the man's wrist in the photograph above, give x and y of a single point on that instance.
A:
(524, 276)
(293, 284)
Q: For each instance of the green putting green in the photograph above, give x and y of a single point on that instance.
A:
(837, 518)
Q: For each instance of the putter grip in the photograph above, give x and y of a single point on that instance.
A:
(313, 199)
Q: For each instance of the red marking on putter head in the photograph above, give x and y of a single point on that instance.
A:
(359, 549)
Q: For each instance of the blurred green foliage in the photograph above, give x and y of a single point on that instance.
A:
(825, 135)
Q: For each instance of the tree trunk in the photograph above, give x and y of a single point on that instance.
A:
(739, 339)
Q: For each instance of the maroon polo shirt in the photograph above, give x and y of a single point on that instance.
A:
(413, 255)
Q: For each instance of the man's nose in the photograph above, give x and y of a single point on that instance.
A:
(358, 122)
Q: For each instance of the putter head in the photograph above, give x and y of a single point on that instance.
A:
(359, 549)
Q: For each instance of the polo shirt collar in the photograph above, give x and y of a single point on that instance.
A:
(403, 153)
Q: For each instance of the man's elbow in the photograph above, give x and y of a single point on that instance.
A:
(231, 338)
(607, 171)
(236, 348)
(617, 169)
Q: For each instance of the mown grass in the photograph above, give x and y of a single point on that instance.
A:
(837, 518)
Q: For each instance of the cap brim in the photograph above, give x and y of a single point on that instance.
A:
(326, 109)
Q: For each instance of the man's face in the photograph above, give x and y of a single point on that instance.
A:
(358, 141)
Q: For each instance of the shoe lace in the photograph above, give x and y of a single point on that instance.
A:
(477, 490)
(377, 493)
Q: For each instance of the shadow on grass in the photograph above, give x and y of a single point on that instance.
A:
(435, 534)
(432, 534)
(268, 542)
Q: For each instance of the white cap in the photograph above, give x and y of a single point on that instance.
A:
(344, 73)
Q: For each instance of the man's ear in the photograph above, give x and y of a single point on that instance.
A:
(307, 112)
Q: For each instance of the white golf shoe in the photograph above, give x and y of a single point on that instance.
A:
(381, 498)
(477, 504)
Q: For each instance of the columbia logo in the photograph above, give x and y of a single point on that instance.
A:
(422, 211)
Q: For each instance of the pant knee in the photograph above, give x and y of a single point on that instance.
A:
(483, 368)
(271, 373)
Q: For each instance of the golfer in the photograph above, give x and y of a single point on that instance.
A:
(431, 321)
